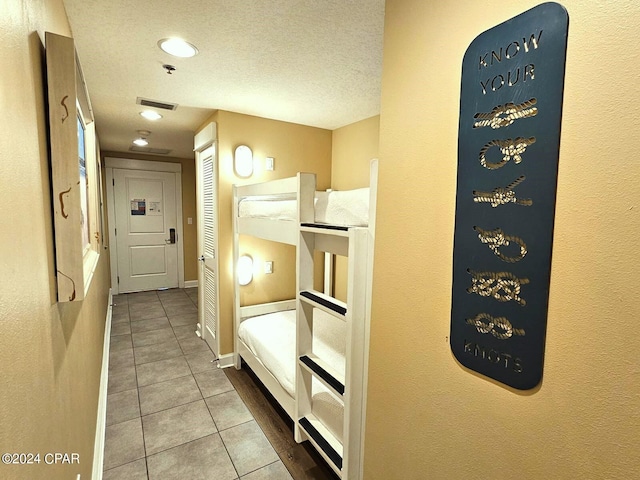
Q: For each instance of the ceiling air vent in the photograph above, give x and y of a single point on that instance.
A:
(154, 151)
(156, 104)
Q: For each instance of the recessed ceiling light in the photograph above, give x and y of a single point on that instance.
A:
(141, 141)
(151, 115)
(177, 47)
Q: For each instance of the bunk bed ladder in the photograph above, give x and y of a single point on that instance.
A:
(342, 454)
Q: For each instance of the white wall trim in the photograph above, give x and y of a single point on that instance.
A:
(179, 230)
(131, 164)
(226, 360)
(204, 137)
(190, 283)
(111, 218)
(101, 421)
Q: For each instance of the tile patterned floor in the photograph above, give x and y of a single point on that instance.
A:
(171, 413)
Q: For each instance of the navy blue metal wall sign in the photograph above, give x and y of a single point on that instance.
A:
(508, 146)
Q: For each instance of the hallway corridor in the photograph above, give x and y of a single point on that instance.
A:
(172, 414)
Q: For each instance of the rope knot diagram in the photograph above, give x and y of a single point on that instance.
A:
(503, 286)
(510, 149)
(495, 239)
(502, 196)
(505, 115)
(499, 327)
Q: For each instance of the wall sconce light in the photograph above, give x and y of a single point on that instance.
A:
(243, 161)
(245, 270)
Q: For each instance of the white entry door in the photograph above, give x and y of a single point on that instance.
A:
(207, 192)
(146, 230)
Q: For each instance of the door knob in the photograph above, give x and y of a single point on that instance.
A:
(201, 258)
(172, 236)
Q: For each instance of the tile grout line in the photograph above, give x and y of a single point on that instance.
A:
(206, 405)
(202, 397)
(183, 355)
(216, 425)
(267, 437)
(229, 455)
(267, 465)
(137, 396)
(135, 368)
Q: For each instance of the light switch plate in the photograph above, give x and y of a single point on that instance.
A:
(268, 267)
(269, 163)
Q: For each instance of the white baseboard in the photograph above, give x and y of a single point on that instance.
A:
(101, 421)
(190, 283)
(226, 360)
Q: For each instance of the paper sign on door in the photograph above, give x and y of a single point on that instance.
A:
(138, 206)
(154, 207)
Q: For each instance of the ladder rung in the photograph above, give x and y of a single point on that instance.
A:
(325, 226)
(325, 301)
(323, 443)
(332, 381)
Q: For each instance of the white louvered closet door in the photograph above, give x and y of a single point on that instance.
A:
(208, 217)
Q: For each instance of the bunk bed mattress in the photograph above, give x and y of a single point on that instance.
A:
(337, 207)
(272, 339)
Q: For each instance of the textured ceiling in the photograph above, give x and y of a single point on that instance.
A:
(311, 62)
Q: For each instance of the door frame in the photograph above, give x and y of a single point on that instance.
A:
(204, 139)
(150, 166)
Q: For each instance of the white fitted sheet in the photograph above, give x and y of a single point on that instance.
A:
(272, 339)
(337, 207)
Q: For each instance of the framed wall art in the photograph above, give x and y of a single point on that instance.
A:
(74, 170)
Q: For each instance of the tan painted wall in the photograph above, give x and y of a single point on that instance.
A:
(429, 418)
(50, 353)
(190, 236)
(295, 148)
(353, 147)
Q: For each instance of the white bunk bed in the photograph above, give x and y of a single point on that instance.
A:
(271, 340)
(310, 352)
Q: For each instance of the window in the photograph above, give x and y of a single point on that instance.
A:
(84, 187)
